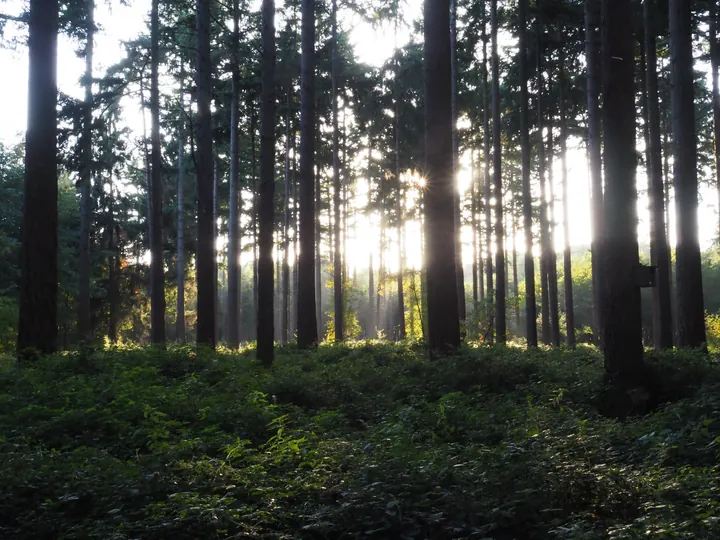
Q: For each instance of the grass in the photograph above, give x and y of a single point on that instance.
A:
(363, 441)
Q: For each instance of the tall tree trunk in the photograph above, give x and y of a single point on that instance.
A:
(439, 199)
(489, 291)
(289, 135)
(307, 324)
(622, 349)
(254, 217)
(715, 66)
(594, 121)
(380, 295)
(266, 207)
(691, 314)
(546, 333)
(86, 171)
(456, 163)
(552, 222)
(206, 294)
(500, 309)
(525, 150)
(567, 254)
(516, 292)
(372, 324)
(338, 265)
(37, 325)
(233, 286)
(402, 331)
(216, 216)
(318, 255)
(114, 264)
(180, 321)
(474, 226)
(157, 260)
(659, 248)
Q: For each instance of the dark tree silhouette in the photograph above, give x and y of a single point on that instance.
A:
(442, 305)
(37, 325)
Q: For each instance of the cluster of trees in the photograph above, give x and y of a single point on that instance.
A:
(293, 147)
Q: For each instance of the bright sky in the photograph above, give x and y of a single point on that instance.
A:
(373, 46)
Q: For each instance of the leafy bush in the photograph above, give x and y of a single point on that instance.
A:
(359, 440)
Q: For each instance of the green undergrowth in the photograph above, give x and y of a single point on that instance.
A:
(363, 441)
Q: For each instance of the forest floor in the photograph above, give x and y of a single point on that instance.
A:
(364, 441)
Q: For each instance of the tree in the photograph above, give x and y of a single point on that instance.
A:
(567, 259)
(439, 199)
(157, 262)
(530, 301)
(622, 334)
(690, 310)
(233, 289)
(500, 282)
(337, 270)
(659, 248)
(266, 211)
(37, 326)
(205, 265)
(86, 171)
(307, 322)
(460, 282)
(592, 53)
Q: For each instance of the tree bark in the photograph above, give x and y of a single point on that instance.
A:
(233, 286)
(567, 254)
(86, 171)
(489, 291)
(180, 320)
(500, 270)
(206, 294)
(456, 163)
(37, 326)
(266, 207)
(623, 349)
(715, 65)
(289, 136)
(307, 322)
(690, 309)
(552, 222)
(544, 233)
(659, 248)
(525, 150)
(594, 121)
(157, 260)
(338, 265)
(439, 199)
(402, 331)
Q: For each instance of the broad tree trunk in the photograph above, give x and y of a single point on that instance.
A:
(206, 294)
(622, 349)
(157, 259)
(592, 53)
(307, 322)
(567, 254)
(659, 248)
(439, 199)
(37, 325)
(86, 171)
(233, 286)
(525, 150)
(338, 264)
(500, 309)
(690, 310)
(266, 207)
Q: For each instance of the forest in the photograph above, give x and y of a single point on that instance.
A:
(254, 286)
